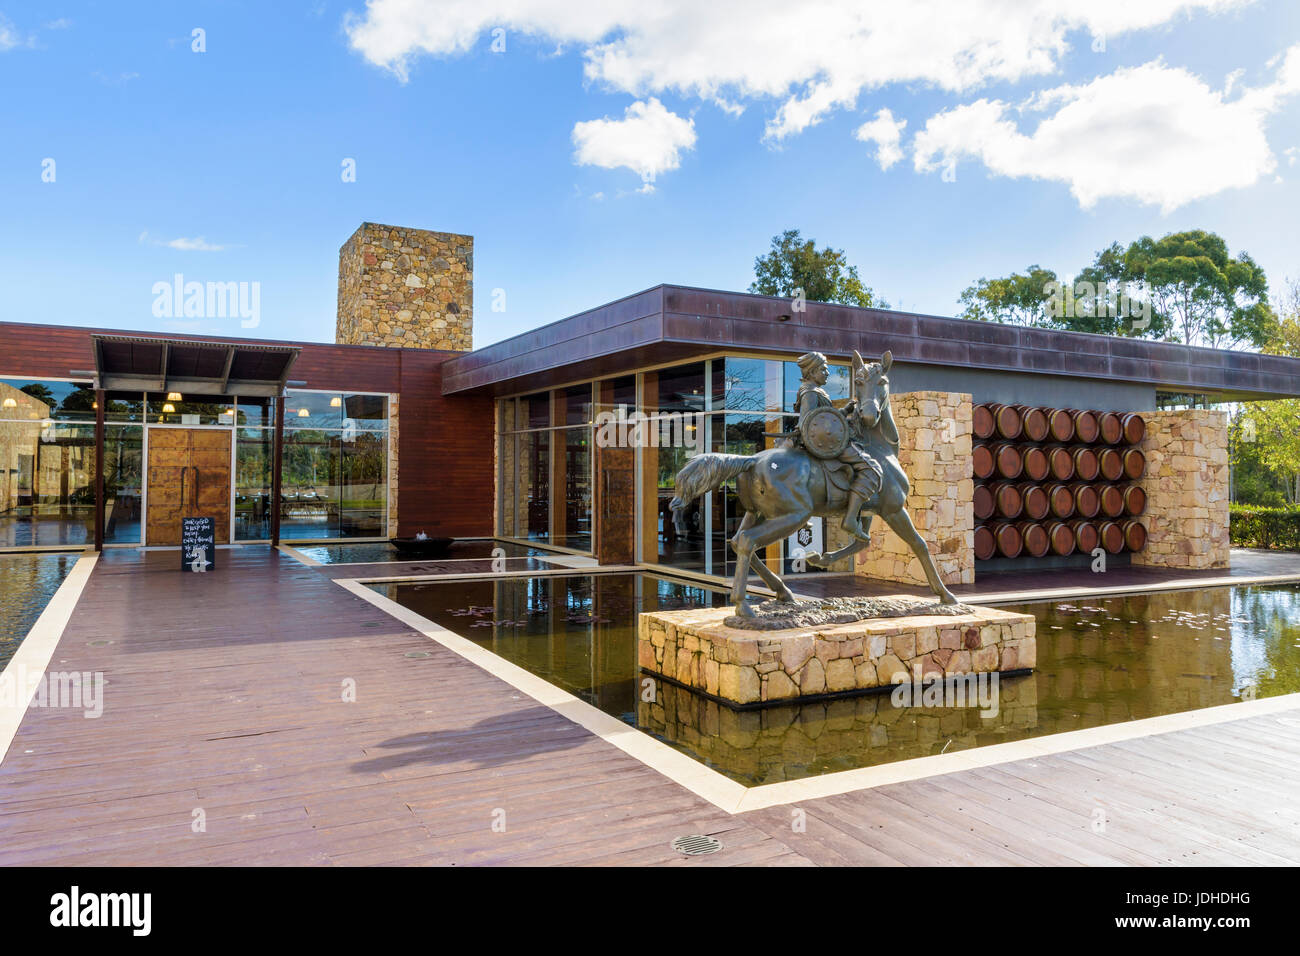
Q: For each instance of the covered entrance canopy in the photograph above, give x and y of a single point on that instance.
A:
(142, 363)
(125, 363)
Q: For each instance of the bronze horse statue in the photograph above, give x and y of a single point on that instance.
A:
(781, 488)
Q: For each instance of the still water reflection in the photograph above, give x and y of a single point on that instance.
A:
(27, 582)
(1099, 662)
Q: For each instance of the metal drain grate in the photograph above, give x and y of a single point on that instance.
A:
(697, 844)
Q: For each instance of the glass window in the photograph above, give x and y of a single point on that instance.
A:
(576, 403)
(837, 386)
(124, 407)
(254, 461)
(681, 388)
(536, 410)
(255, 412)
(47, 491)
(313, 409)
(747, 385)
(123, 481)
(200, 410)
(572, 518)
(40, 400)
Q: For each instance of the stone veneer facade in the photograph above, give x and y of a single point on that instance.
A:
(406, 288)
(694, 648)
(1186, 483)
(935, 442)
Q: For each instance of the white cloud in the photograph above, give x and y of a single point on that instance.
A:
(196, 244)
(887, 134)
(809, 58)
(1154, 133)
(648, 140)
(10, 38)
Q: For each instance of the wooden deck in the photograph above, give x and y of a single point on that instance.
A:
(225, 695)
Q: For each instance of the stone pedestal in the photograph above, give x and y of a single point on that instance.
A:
(746, 667)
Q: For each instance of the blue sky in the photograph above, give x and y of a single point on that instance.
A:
(241, 147)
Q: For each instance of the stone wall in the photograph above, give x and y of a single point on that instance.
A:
(935, 431)
(1186, 482)
(406, 287)
(695, 648)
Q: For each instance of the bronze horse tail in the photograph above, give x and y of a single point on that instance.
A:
(703, 473)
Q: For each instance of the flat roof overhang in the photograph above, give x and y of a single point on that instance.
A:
(675, 323)
(145, 363)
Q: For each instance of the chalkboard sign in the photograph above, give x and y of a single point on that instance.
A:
(198, 543)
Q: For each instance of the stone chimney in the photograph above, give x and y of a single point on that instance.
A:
(406, 288)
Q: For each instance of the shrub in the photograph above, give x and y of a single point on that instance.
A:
(1276, 528)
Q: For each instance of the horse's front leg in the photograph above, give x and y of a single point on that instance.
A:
(901, 522)
(850, 549)
(740, 544)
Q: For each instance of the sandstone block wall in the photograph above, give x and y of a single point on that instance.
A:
(696, 649)
(407, 288)
(935, 434)
(1186, 482)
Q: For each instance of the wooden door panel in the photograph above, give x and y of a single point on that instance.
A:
(189, 473)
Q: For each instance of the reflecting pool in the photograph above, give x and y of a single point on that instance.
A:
(27, 582)
(376, 552)
(1101, 661)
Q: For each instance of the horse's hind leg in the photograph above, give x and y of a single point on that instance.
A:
(901, 522)
(747, 542)
(850, 549)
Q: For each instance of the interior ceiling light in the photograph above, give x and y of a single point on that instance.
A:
(169, 407)
(173, 396)
(336, 401)
(303, 413)
(10, 403)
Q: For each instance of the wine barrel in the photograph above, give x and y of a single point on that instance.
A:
(1135, 427)
(1060, 462)
(1007, 538)
(982, 422)
(1086, 500)
(1110, 426)
(1086, 465)
(1060, 425)
(1036, 466)
(1061, 537)
(983, 502)
(1135, 534)
(1006, 421)
(1112, 536)
(982, 461)
(1112, 500)
(1007, 500)
(1007, 460)
(1061, 500)
(1135, 500)
(1085, 425)
(1035, 500)
(1135, 463)
(985, 545)
(1033, 423)
(1033, 538)
(1085, 536)
(1111, 461)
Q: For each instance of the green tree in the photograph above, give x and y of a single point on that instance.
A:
(1022, 298)
(1200, 294)
(794, 264)
(1272, 429)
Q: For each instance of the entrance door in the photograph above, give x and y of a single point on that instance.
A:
(189, 474)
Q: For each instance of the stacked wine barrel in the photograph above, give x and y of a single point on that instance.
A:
(1055, 481)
